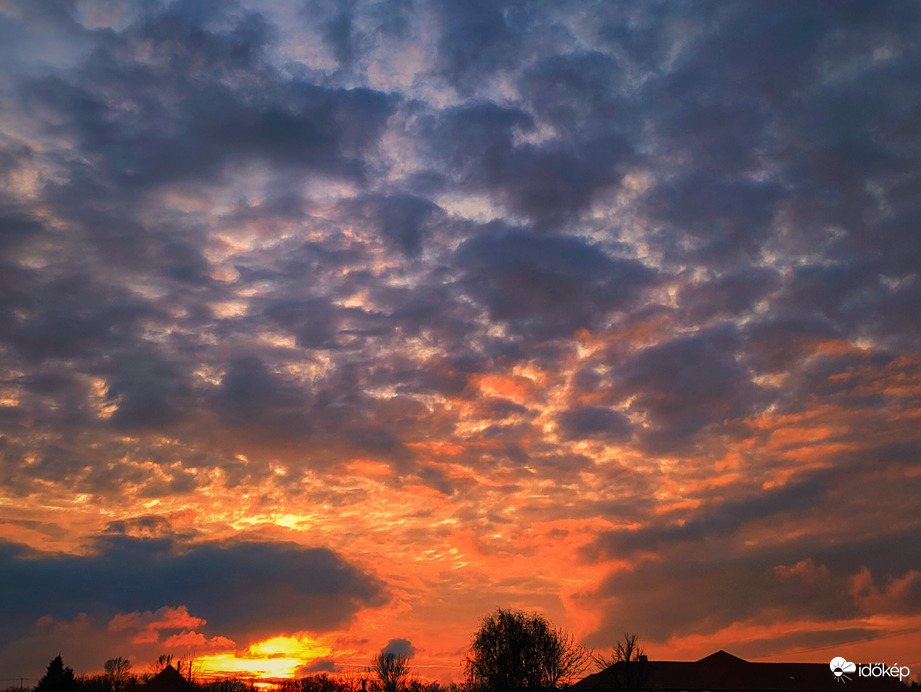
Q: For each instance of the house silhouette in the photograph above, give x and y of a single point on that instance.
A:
(723, 672)
(167, 680)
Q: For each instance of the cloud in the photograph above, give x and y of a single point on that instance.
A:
(144, 628)
(590, 421)
(401, 218)
(487, 285)
(725, 518)
(399, 647)
(321, 665)
(685, 385)
(727, 295)
(641, 595)
(723, 217)
(544, 286)
(549, 182)
(253, 588)
(251, 396)
(581, 92)
(86, 642)
(476, 39)
(205, 60)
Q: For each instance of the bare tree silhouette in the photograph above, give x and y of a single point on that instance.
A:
(117, 672)
(392, 671)
(625, 667)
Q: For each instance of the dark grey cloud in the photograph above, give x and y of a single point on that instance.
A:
(726, 296)
(302, 126)
(725, 217)
(477, 39)
(226, 104)
(399, 647)
(503, 408)
(685, 385)
(70, 316)
(17, 228)
(831, 636)
(735, 101)
(544, 286)
(316, 322)
(639, 34)
(401, 218)
(339, 34)
(707, 555)
(251, 396)
(594, 421)
(243, 589)
(795, 580)
(776, 344)
(725, 518)
(351, 31)
(858, 298)
(321, 665)
(548, 183)
(148, 392)
(474, 138)
(836, 291)
(260, 409)
(581, 93)
(58, 14)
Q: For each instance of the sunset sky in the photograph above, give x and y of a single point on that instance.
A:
(330, 326)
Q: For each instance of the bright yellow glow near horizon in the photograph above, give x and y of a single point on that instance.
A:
(305, 646)
(276, 657)
(283, 667)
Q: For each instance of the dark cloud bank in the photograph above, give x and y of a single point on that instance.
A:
(243, 589)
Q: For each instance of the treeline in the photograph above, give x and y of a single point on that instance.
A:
(117, 677)
(512, 650)
(315, 682)
(120, 678)
(323, 682)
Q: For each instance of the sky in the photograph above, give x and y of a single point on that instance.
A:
(327, 328)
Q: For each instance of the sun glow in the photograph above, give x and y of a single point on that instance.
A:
(304, 646)
(228, 663)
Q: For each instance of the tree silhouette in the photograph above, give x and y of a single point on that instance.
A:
(514, 650)
(58, 678)
(117, 672)
(189, 667)
(391, 671)
(625, 668)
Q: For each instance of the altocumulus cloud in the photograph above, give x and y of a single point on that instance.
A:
(463, 288)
